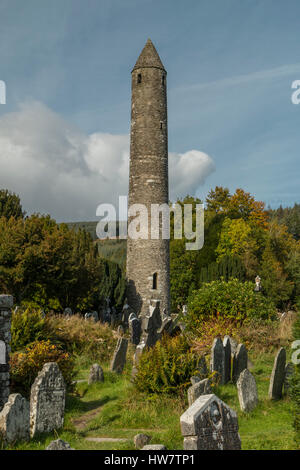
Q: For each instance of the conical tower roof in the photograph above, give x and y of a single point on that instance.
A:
(149, 57)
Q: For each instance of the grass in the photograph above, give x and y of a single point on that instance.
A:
(115, 409)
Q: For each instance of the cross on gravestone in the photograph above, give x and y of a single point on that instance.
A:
(210, 424)
(277, 376)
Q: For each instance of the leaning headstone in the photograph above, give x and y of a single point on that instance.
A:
(59, 444)
(96, 374)
(277, 376)
(288, 374)
(92, 315)
(141, 440)
(119, 357)
(200, 388)
(154, 447)
(240, 362)
(227, 359)
(217, 359)
(247, 391)
(6, 304)
(135, 330)
(47, 400)
(14, 419)
(210, 424)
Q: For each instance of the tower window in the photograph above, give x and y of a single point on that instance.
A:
(161, 125)
(139, 78)
(163, 80)
(154, 281)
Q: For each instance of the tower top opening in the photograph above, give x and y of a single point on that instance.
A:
(149, 57)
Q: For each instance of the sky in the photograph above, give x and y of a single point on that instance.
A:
(64, 130)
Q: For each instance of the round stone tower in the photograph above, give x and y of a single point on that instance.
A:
(148, 271)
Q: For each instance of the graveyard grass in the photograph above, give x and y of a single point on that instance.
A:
(115, 409)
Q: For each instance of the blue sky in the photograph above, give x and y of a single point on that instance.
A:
(67, 64)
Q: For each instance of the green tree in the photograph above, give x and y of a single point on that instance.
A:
(10, 205)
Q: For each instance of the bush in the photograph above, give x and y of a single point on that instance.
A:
(25, 366)
(81, 337)
(233, 300)
(167, 367)
(26, 327)
(209, 330)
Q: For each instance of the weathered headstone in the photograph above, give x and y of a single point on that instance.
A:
(227, 359)
(151, 323)
(96, 374)
(141, 440)
(120, 330)
(14, 419)
(6, 304)
(217, 359)
(247, 391)
(135, 330)
(210, 424)
(68, 312)
(92, 315)
(119, 358)
(200, 388)
(59, 444)
(202, 367)
(288, 374)
(47, 400)
(240, 362)
(277, 376)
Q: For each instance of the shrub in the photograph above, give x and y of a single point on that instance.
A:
(233, 300)
(25, 366)
(81, 337)
(167, 367)
(26, 327)
(209, 330)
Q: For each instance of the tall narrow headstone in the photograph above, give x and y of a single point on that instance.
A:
(209, 424)
(247, 391)
(227, 359)
(277, 376)
(217, 359)
(240, 362)
(119, 358)
(197, 389)
(47, 400)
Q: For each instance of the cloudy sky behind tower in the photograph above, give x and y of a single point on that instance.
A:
(64, 130)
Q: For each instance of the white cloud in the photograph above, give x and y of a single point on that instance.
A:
(57, 169)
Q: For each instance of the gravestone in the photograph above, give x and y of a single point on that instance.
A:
(151, 323)
(47, 400)
(59, 444)
(135, 330)
(6, 304)
(96, 374)
(119, 358)
(227, 359)
(14, 419)
(240, 362)
(247, 391)
(202, 367)
(210, 424)
(136, 357)
(195, 379)
(288, 374)
(217, 359)
(68, 312)
(92, 315)
(141, 440)
(277, 376)
(199, 388)
(120, 330)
